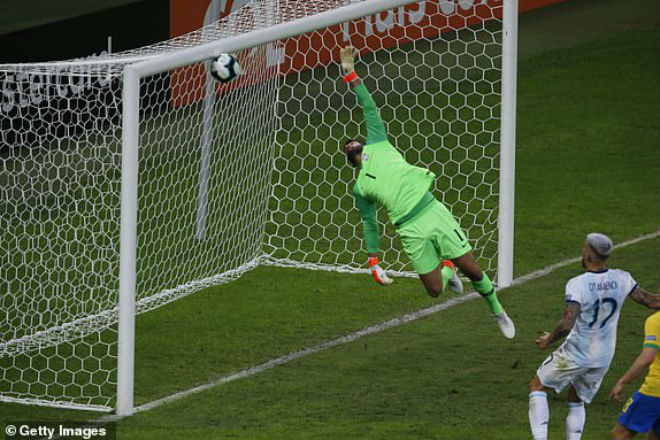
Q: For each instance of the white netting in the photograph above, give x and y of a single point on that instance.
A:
(440, 98)
(59, 198)
(229, 177)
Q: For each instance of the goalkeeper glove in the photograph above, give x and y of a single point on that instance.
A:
(347, 56)
(379, 274)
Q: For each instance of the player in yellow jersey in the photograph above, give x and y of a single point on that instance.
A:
(641, 413)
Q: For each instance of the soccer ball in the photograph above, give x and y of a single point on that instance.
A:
(225, 67)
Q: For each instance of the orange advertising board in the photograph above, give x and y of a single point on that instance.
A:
(188, 15)
(405, 24)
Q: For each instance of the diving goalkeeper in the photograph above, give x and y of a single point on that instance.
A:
(430, 235)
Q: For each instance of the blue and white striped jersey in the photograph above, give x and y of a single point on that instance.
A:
(592, 340)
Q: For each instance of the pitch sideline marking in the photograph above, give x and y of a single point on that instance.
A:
(394, 322)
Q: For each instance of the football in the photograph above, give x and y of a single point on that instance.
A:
(225, 67)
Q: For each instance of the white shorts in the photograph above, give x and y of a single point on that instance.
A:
(557, 371)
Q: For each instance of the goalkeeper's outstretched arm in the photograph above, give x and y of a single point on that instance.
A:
(353, 150)
(375, 126)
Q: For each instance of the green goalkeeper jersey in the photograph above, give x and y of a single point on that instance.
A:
(385, 177)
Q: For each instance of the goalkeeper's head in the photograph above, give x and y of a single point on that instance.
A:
(353, 151)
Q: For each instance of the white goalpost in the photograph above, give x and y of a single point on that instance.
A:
(507, 143)
(131, 180)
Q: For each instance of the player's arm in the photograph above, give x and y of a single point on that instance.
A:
(371, 236)
(571, 313)
(643, 361)
(650, 300)
(645, 358)
(375, 126)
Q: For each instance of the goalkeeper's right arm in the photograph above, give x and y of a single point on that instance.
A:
(371, 236)
(375, 126)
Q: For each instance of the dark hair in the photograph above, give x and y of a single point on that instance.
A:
(348, 141)
(350, 155)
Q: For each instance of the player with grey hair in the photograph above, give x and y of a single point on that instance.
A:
(591, 315)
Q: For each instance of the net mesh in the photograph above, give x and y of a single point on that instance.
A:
(59, 233)
(439, 96)
(230, 176)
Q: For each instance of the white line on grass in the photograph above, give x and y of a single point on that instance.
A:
(409, 317)
(546, 270)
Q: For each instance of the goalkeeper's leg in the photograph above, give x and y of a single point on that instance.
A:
(484, 287)
(434, 236)
(451, 241)
(482, 284)
(437, 280)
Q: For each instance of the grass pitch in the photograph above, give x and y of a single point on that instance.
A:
(449, 376)
(587, 159)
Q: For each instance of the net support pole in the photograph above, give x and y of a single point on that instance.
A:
(208, 126)
(128, 242)
(507, 143)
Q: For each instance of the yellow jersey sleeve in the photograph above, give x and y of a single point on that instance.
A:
(652, 331)
(651, 385)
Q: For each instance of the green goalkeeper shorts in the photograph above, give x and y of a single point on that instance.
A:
(431, 236)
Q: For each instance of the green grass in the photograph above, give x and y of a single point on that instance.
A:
(564, 25)
(448, 376)
(587, 156)
(587, 159)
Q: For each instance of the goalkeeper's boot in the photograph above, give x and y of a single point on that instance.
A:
(506, 325)
(454, 284)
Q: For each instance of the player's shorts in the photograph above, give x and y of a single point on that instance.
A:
(557, 371)
(431, 236)
(641, 413)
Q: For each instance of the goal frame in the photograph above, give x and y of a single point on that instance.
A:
(134, 73)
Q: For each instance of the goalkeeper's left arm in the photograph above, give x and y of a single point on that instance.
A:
(375, 126)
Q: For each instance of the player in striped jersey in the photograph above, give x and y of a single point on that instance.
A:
(593, 304)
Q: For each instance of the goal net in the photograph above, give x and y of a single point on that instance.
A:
(229, 176)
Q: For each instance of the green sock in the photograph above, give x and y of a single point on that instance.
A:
(484, 287)
(447, 274)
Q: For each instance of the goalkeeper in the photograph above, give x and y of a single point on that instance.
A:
(430, 235)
